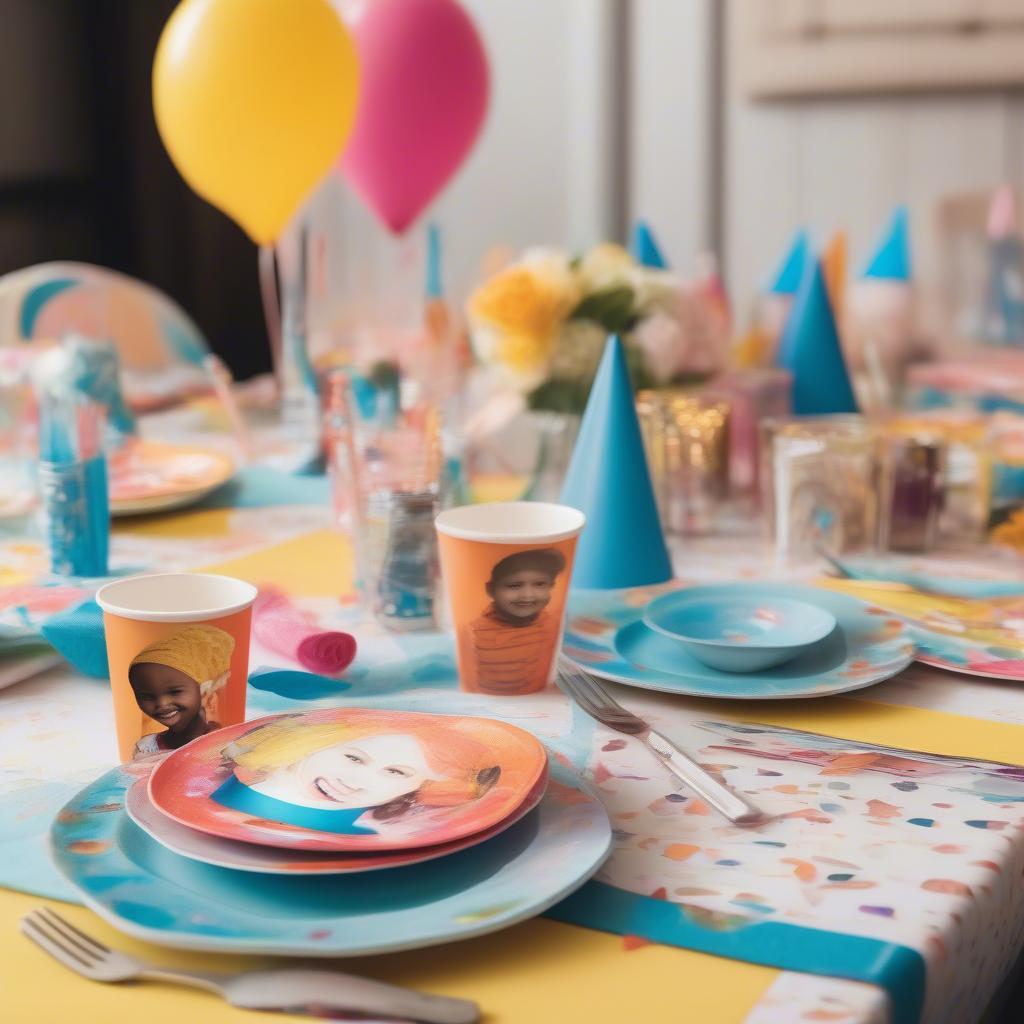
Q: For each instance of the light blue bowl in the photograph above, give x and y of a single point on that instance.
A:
(728, 629)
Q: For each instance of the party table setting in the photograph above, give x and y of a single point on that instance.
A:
(575, 653)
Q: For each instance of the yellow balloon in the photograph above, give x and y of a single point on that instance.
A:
(254, 100)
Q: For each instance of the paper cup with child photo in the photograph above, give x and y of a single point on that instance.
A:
(178, 653)
(506, 569)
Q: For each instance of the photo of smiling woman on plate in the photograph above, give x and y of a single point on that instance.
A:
(353, 779)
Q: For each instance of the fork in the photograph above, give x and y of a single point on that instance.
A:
(312, 992)
(597, 702)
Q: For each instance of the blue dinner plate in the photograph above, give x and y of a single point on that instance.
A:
(147, 891)
(606, 635)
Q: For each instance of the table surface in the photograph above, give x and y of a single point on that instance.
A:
(542, 969)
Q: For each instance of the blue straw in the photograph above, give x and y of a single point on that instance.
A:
(434, 286)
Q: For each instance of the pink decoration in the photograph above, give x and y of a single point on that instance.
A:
(423, 96)
(1002, 213)
(753, 395)
(281, 627)
(1004, 668)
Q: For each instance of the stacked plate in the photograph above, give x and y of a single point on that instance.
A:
(151, 476)
(337, 832)
(740, 640)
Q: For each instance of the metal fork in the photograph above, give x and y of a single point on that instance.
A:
(312, 992)
(597, 702)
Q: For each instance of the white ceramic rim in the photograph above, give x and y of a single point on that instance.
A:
(238, 595)
(496, 522)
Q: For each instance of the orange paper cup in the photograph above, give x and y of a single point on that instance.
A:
(506, 568)
(178, 651)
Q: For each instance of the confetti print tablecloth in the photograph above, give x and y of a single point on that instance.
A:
(911, 861)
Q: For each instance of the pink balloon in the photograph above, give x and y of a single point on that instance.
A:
(424, 90)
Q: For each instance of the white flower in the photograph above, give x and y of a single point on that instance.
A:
(553, 266)
(654, 290)
(484, 340)
(605, 266)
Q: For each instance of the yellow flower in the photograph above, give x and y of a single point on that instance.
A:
(519, 301)
(523, 353)
(751, 350)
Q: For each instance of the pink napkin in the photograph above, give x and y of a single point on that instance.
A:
(281, 627)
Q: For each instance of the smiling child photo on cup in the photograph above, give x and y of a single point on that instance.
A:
(176, 680)
(514, 640)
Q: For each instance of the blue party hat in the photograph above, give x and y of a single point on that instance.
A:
(645, 248)
(434, 288)
(622, 544)
(791, 271)
(891, 260)
(809, 348)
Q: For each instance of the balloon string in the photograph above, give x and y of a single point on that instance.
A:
(220, 376)
(271, 308)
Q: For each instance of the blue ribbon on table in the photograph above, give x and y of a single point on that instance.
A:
(899, 970)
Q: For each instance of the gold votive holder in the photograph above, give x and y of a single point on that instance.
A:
(686, 436)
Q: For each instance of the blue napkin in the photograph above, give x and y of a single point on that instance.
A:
(76, 634)
(263, 487)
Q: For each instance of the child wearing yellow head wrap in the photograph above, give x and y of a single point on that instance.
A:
(175, 680)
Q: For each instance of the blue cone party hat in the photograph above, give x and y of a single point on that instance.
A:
(891, 260)
(645, 249)
(809, 348)
(622, 544)
(791, 271)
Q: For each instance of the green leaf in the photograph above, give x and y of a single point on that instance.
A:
(612, 308)
(560, 396)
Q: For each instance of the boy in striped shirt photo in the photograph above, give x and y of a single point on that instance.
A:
(513, 641)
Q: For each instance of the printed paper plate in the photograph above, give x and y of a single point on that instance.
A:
(145, 890)
(350, 779)
(979, 636)
(149, 476)
(606, 635)
(268, 860)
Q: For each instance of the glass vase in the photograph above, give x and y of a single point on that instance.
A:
(556, 437)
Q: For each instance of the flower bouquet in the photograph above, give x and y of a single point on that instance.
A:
(542, 322)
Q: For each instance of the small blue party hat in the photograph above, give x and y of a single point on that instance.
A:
(645, 249)
(434, 288)
(809, 348)
(891, 260)
(791, 271)
(622, 544)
